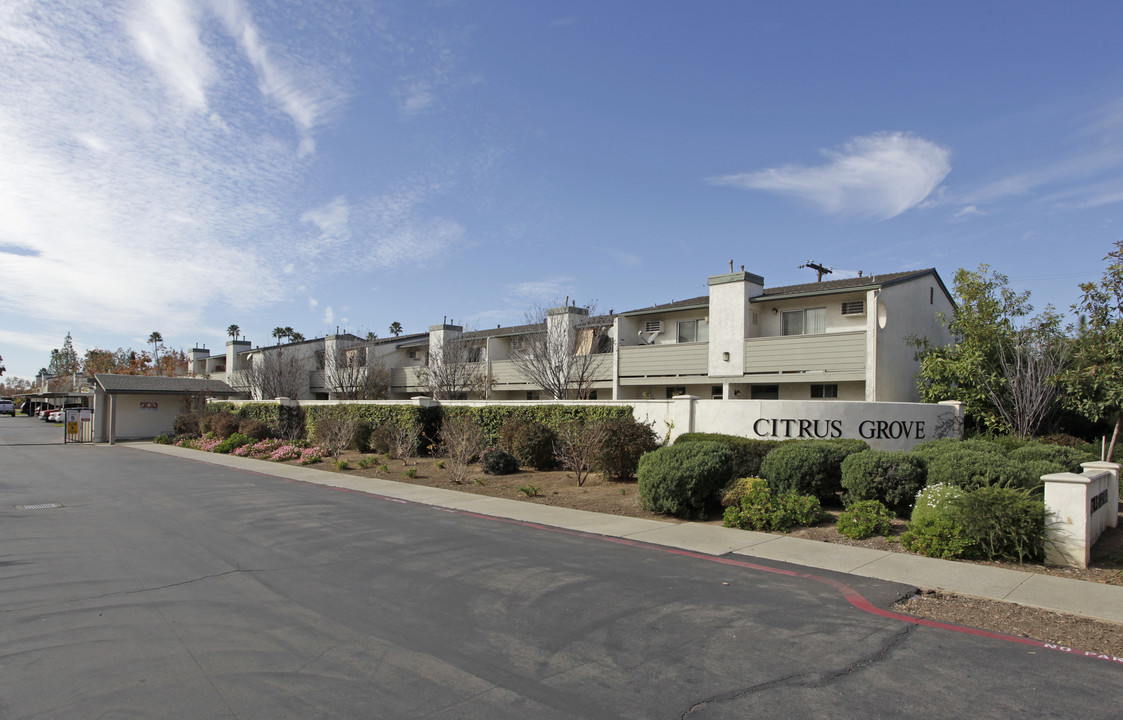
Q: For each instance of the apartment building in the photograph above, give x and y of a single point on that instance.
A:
(835, 340)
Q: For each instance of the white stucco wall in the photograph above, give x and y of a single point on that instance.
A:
(138, 416)
(904, 310)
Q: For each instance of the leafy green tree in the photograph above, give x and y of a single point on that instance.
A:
(985, 315)
(1094, 382)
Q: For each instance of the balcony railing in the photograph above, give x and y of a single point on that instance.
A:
(672, 359)
(828, 352)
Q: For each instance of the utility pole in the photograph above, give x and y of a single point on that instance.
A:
(821, 269)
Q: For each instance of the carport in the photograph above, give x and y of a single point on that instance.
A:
(131, 407)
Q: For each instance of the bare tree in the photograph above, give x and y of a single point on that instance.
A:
(336, 430)
(563, 358)
(271, 374)
(356, 374)
(404, 437)
(578, 446)
(454, 370)
(1024, 388)
(462, 440)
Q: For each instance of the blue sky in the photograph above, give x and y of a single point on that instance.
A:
(182, 165)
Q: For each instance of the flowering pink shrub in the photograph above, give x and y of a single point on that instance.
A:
(269, 449)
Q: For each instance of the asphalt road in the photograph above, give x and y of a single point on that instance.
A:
(172, 588)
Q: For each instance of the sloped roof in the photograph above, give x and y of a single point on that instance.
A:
(868, 281)
(155, 385)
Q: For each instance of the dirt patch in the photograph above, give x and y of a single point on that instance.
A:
(559, 488)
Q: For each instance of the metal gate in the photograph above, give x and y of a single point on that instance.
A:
(78, 425)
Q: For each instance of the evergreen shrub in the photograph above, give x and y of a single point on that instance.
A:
(863, 519)
(748, 453)
(890, 477)
(809, 467)
(970, 469)
(679, 479)
(761, 509)
(625, 442)
(496, 461)
(531, 442)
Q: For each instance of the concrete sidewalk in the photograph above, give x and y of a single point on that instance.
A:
(1094, 600)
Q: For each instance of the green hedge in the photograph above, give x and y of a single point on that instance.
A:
(492, 417)
(748, 453)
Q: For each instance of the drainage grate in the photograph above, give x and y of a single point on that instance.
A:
(40, 506)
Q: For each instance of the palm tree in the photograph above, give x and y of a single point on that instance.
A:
(289, 332)
(395, 328)
(296, 337)
(233, 331)
(280, 332)
(155, 338)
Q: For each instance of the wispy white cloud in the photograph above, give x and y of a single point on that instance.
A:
(302, 91)
(396, 230)
(332, 220)
(329, 315)
(548, 289)
(166, 34)
(877, 176)
(969, 210)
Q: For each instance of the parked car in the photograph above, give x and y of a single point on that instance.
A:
(56, 415)
(7, 407)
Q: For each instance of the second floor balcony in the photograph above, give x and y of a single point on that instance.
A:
(670, 360)
(843, 352)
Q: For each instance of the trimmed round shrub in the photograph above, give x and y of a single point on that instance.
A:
(863, 519)
(890, 477)
(970, 469)
(679, 479)
(624, 444)
(496, 461)
(748, 453)
(809, 467)
(255, 429)
(531, 442)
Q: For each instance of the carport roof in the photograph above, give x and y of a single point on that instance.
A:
(155, 385)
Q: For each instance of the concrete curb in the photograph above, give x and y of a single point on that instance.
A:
(1077, 597)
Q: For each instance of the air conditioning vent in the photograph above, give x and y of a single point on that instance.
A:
(857, 307)
(653, 326)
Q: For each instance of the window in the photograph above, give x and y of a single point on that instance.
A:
(764, 392)
(412, 354)
(855, 307)
(675, 392)
(824, 391)
(653, 326)
(693, 331)
(532, 395)
(811, 321)
(716, 392)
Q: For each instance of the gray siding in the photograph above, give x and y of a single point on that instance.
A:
(664, 360)
(840, 352)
